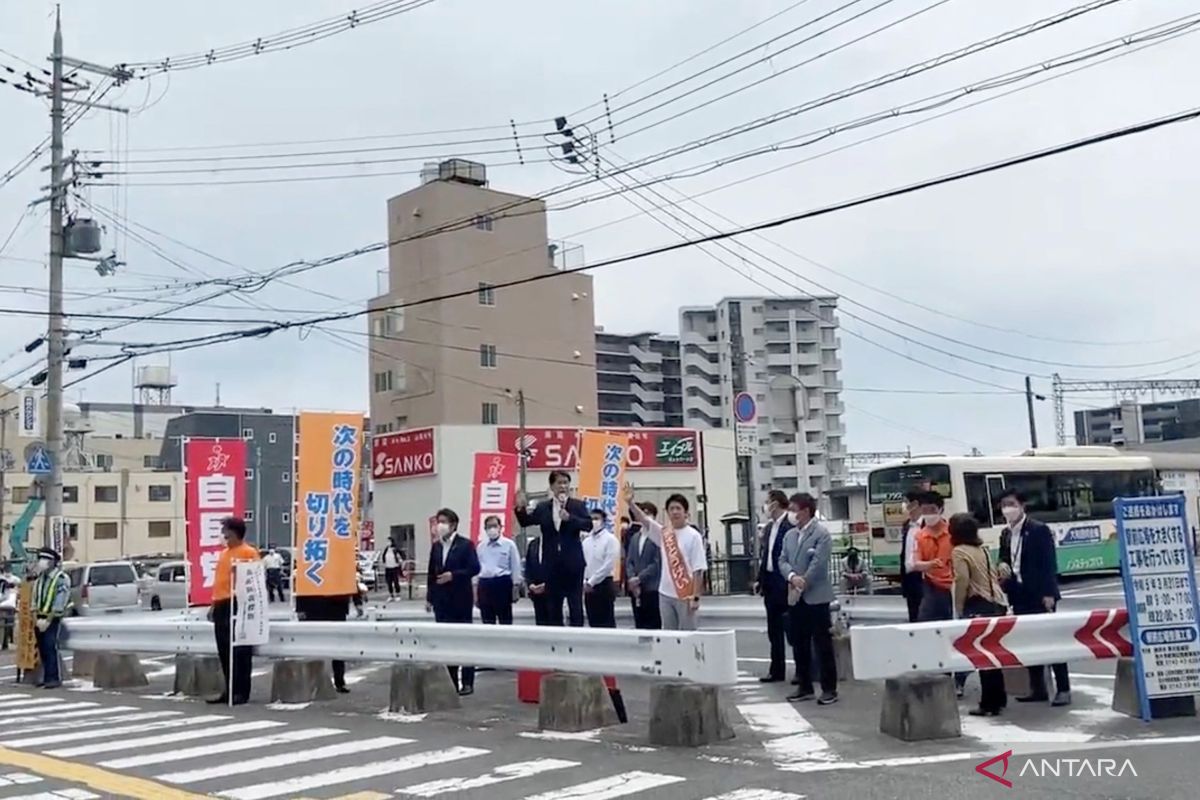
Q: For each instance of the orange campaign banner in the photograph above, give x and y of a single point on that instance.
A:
(328, 492)
(603, 457)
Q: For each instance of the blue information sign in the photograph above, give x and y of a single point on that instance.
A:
(1158, 570)
(745, 409)
(38, 462)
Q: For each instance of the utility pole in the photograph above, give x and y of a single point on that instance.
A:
(262, 538)
(4, 412)
(522, 450)
(54, 376)
(1029, 410)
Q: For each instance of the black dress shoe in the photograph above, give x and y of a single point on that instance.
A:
(795, 681)
(771, 679)
(1033, 698)
(984, 712)
(466, 691)
(341, 690)
(223, 700)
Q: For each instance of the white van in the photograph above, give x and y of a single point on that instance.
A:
(169, 587)
(104, 587)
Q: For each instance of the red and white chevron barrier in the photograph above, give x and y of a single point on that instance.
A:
(889, 651)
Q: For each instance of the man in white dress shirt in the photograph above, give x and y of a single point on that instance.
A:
(600, 552)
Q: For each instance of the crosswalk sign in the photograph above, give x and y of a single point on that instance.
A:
(38, 461)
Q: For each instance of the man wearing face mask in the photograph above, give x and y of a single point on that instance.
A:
(773, 582)
(912, 584)
(600, 553)
(51, 597)
(1029, 574)
(499, 572)
(562, 521)
(453, 565)
(933, 560)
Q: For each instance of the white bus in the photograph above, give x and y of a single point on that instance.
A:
(1069, 488)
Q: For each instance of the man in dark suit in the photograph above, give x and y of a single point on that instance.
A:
(912, 584)
(1029, 572)
(327, 609)
(643, 572)
(773, 583)
(535, 581)
(562, 520)
(453, 563)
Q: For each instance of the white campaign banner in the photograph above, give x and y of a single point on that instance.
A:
(30, 415)
(250, 622)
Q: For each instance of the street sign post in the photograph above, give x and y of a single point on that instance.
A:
(745, 426)
(1160, 592)
(37, 460)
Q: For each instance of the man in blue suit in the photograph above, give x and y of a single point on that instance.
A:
(562, 520)
(773, 582)
(453, 564)
(1029, 572)
(804, 559)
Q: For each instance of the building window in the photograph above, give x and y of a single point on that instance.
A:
(285, 517)
(70, 494)
(249, 474)
(383, 381)
(159, 528)
(159, 493)
(248, 515)
(104, 530)
(248, 434)
(285, 477)
(72, 530)
(383, 427)
(401, 423)
(483, 222)
(487, 294)
(491, 414)
(487, 355)
(20, 494)
(149, 462)
(104, 461)
(272, 437)
(104, 494)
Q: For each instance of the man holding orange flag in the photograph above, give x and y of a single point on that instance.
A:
(684, 561)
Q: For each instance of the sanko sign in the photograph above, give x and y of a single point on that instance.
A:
(406, 454)
(558, 448)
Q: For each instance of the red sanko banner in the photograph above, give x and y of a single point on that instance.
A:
(493, 492)
(214, 474)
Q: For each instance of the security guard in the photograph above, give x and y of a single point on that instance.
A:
(51, 599)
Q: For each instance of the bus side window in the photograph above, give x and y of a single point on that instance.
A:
(977, 498)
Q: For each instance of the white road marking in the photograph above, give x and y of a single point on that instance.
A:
(626, 783)
(302, 783)
(168, 738)
(20, 706)
(242, 745)
(362, 673)
(118, 731)
(18, 779)
(988, 729)
(50, 724)
(502, 773)
(1088, 676)
(314, 755)
(563, 736)
(6, 698)
(754, 660)
(797, 739)
(757, 794)
(44, 711)
(61, 794)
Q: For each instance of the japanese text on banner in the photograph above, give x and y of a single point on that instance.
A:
(602, 462)
(493, 491)
(251, 624)
(327, 497)
(214, 488)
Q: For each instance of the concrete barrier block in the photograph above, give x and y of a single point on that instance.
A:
(118, 671)
(301, 681)
(574, 703)
(687, 715)
(420, 688)
(842, 654)
(198, 676)
(919, 708)
(1127, 698)
(1016, 682)
(83, 663)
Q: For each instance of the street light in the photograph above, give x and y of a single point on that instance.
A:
(799, 416)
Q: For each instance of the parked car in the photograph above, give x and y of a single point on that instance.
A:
(169, 589)
(104, 587)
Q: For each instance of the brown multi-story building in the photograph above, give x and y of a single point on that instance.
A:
(462, 360)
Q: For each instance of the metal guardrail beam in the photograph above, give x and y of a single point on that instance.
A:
(706, 657)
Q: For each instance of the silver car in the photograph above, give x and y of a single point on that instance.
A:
(104, 587)
(169, 587)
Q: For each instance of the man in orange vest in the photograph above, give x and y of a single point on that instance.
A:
(221, 613)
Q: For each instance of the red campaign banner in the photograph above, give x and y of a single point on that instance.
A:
(558, 448)
(494, 491)
(214, 475)
(404, 454)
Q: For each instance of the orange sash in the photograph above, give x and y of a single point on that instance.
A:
(681, 575)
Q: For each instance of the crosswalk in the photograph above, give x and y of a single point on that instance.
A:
(242, 757)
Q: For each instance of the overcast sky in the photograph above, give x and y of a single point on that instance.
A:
(1097, 246)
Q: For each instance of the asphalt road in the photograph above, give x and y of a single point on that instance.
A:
(81, 743)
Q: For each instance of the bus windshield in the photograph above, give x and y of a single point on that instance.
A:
(891, 484)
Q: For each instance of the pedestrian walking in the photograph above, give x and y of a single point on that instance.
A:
(643, 571)
(235, 665)
(393, 565)
(1029, 573)
(562, 520)
(683, 558)
(314, 608)
(601, 552)
(977, 593)
(8, 603)
(912, 583)
(273, 564)
(535, 581)
(804, 558)
(499, 574)
(772, 581)
(453, 565)
(51, 599)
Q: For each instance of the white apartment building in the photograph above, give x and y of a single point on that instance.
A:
(638, 380)
(784, 351)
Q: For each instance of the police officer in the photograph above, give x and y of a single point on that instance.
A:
(51, 598)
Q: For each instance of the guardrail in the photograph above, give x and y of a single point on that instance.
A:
(703, 657)
(890, 651)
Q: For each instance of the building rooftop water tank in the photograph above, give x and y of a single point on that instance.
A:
(463, 171)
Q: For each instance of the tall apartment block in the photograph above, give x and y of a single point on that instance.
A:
(638, 380)
(462, 360)
(784, 351)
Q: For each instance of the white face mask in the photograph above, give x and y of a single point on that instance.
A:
(44, 565)
(493, 533)
(931, 520)
(1012, 513)
(793, 518)
(443, 529)
(597, 524)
